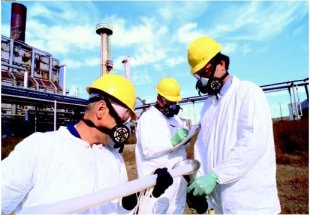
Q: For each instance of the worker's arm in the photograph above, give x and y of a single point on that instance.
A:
(17, 173)
(154, 136)
(163, 181)
(254, 133)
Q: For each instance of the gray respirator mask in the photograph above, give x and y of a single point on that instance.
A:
(211, 86)
(119, 133)
(169, 110)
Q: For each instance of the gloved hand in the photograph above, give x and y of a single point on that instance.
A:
(130, 202)
(163, 181)
(179, 136)
(199, 202)
(203, 185)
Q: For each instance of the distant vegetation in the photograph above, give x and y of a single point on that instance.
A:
(292, 142)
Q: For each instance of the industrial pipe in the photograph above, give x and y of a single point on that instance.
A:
(79, 204)
(18, 21)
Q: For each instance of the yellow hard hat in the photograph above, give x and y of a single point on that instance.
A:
(118, 87)
(201, 51)
(169, 89)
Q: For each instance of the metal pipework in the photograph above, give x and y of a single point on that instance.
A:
(104, 30)
(126, 63)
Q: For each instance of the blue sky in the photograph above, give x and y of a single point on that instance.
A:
(267, 41)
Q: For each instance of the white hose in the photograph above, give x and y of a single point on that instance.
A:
(79, 204)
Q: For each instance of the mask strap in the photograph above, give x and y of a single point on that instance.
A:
(109, 105)
(120, 133)
(224, 76)
(90, 123)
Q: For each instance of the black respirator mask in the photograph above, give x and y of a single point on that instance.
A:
(169, 110)
(119, 133)
(210, 86)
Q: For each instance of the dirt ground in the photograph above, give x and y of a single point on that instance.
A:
(292, 184)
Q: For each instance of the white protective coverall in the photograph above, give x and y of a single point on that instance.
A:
(50, 167)
(236, 142)
(154, 134)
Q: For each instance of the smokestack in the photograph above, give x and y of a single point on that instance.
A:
(126, 63)
(18, 21)
(105, 31)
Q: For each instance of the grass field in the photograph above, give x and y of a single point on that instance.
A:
(292, 147)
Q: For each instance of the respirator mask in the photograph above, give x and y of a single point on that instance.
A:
(211, 86)
(119, 134)
(171, 110)
(168, 109)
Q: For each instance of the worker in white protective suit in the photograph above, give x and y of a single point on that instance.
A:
(159, 129)
(73, 161)
(235, 145)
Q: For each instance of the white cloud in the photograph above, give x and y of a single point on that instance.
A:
(158, 67)
(61, 28)
(84, 63)
(39, 10)
(5, 30)
(150, 98)
(257, 20)
(61, 11)
(188, 32)
(229, 48)
(148, 54)
(145, 39)
(173, 61)
(245, 21)
(127, 35)
(92, 61)
(58, 39)
(181, 12)
(263, 49)
(165, 13)
(140, 77)
(246, 49)
(73, 64)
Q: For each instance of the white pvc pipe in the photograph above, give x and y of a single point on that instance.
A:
(26, 79)
(64, 85)
(82, 203)
(55, 115)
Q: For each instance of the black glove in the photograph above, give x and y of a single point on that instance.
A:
(199, 203)
(163, 181)
(129, 202)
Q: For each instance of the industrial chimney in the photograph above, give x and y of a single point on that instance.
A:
(126, 63)
(105, 31)
(18, 21)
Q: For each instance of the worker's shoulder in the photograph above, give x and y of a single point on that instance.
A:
(44, 135)
(249, 87)
(38, 138)
(34, 142)
(149, 113)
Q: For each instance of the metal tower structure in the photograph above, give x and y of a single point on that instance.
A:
(104, 30)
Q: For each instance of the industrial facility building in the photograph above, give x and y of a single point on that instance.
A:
(33, 90)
